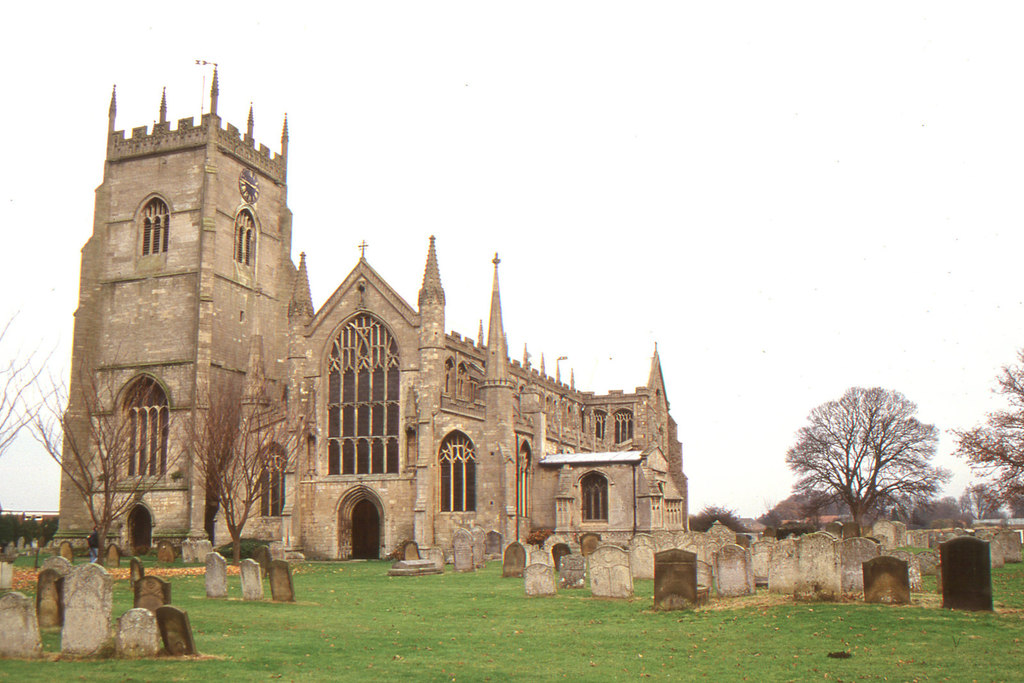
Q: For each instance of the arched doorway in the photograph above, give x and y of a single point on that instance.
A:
(365, 531)
(140, 529)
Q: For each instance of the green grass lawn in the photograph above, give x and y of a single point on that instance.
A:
(354, 622)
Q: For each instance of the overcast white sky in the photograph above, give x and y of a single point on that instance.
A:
(789, 198)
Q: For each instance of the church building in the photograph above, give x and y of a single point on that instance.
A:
(397, 429)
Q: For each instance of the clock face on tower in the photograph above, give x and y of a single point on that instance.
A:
(249, 186)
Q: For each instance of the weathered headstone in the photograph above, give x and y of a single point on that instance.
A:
(589, 542)
(50, 598)
(782, 568)
(1011, 545)
(175, 631)
(216, 576)
(113, 555)
(734, 574)
(202, 549)
(572, 573)
(913, 568)
(705, 574)
(760, 560)
(462, 551)
(835, 528)
(87, 603)
(409, 551)
(277, 551)
(188, 551)
(539, 579)
(885, 532)
(165, 552)
(261, 554)
(514, 560)
(137, 634)
(818, 569)
(641, 556)
(19, 630)
(252, 580)
(152, 592)
(663, 540)
(558, 551)
(538, 555)
(886, 581)
(609, 573)
(850, 530)
(675, 579)
(67, 551)
(436, 555)
(928, 560)
(281, 587)
(136, 571)
(853, 553)
(721, 534)
(57, 563)
(966, 574)
(899, 534)
(492, 544)
(479, 536)
(6, 576)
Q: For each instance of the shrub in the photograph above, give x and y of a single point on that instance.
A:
(538, 536)
(246, 546)
(703, 520)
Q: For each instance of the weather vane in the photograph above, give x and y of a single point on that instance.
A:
(202, 93)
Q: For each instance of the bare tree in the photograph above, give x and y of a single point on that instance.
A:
(979, 501)
(996, 450)
(113, 449)
(18, 376)
(240, 447)
(867, 450)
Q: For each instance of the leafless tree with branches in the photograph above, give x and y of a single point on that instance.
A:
(18, 376)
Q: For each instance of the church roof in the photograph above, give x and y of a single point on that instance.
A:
(627, 457)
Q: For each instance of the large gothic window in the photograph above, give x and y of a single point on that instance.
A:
(623, 426)
(458, 473)
(523, 482)
(245, 238)
(272, 483)
(362, 400)
(594, 490)
(145, 405)
(155, 220)
(599, 420)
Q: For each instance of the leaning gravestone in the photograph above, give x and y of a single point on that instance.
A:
(966, 574)
(675, 579)
(87, 603)
(50, 598)
(58, 564)
(782, 568)
(165, 552)
(886, 581)
(479, 542)
(572, 573)
(152, 592)
(216, 576)
(6, 576)
(589, 542)
(281, 587)
(641, 556)
(609, 573)
(252, 580)
(539, 579)
(853, 553)
(19, 630)
(733, 571)
(137, 634)
(175, 631)
(66, 551)
(818, 568)
(113, 555)
(462, 550)
(558, 551)
(262, 556)
(492, 544)
(514, 560)
(136, 571)
(409, 551)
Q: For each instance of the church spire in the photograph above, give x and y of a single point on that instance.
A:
(112, 111)
(480, 334)
(249, 124)
(497, 355)
(431, 292)
(163, 105)
(302, 301)
(526, 357)
(214, 93)
(284, 136)
(656, 380)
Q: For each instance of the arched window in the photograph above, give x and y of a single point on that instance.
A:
(594, 490)
(457, 459)
(599, 420)
(463, 386)
(523, 482)
(362, 400)
(155, 219)
(145, 405)
(623, 426)
(449, 377)
(245, 238)
(272, 482)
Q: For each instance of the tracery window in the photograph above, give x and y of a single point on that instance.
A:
(523, 481)
(623, 426)
(594, 495)
(463, 384)
(272, 483)
(457, 460)
(149, 425)
(362, 400)
(155, 224)
(245, 237)
(599, 420)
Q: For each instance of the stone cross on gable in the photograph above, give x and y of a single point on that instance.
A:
(362, 249)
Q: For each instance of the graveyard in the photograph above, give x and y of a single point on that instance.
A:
(351, 620)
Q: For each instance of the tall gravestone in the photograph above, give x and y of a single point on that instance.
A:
(281, 587)
(782, 568)
(734, 575)
(641, 556)
(50, 598)
(6, 576)
(886, 581)
(492, 545)
(216, 576)
(151, 592)
(136, 571)
(19, 629)
(88, 600)
(853, 553)
(589, 542)
(462, 551)
(203, 548)
(188, 554)
(252, 579)
(175, 630)
(479, 542)
(818, 569)
(137, 634)
(966, 574)
(610, 576)
(539, 579)
(675, 579)
(572, 572)
(514, 560)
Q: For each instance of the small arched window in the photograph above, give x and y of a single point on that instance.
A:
(457, 459)
(523, 482)
(155, 224)
(245, 238)
(449, 377)
(599, 421)
(623, 426)
(594, 495)
(145, 405)
(272, 482)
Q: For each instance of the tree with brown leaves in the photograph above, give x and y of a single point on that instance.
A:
(867, 451)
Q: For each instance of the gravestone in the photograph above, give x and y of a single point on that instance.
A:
(6, 576)
(216, 576)
(760, 560)
(113, 555)
(479, 542)
(853, 553)
(663, 540)
(436, 555)
(252, 580)
(819, 574)
(187, 552)
(136, 571)
(152, 592)
(539, 579)
(281, 587)
(899, 534)
(705, 575)
(966, 574)
(137, 634)
(1010, 542)
(261, 555)
(734, 574)
(770, 532)
(175, 631)
(538, 556)
(850, 530)
(58, 564)
(675, 579)
(743, 541)
(589, 542)
(573, 572)
(884, 531)
(835, 528)
(492, 544)
(782, 568)
(87, 603)
(462, 551)
(913, 568)
(19, 630)
(409, 551)
(721, 534)
(50, 598)
(277, 551)
(165, 552)
(21, 543)
(609, 573)
(558, 551)
(203, 548)
(412, 568)
(66, 551)
(641, 556)
(886, 581)
(514, 560)
(928, 560)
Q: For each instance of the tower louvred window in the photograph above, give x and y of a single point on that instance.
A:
(623, 426)
(245, 238)
(155, 224)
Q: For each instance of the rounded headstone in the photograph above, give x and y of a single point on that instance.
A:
(137, 634)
